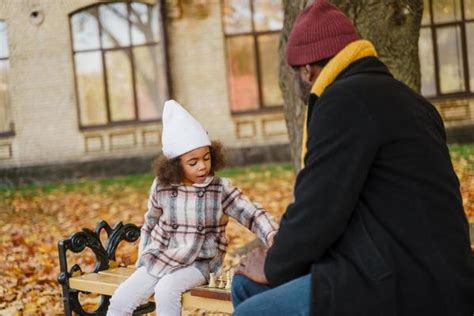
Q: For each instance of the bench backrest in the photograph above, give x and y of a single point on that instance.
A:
(104, 255)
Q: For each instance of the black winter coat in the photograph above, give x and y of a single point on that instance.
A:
(377, 219)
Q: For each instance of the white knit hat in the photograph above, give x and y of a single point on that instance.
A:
(181, 131)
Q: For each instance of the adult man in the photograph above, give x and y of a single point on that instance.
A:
(377, 226)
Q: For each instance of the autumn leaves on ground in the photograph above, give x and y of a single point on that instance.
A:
(33, 219)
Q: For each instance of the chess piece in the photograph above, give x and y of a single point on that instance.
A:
(221, 283)
(228, 285)
(212, 280)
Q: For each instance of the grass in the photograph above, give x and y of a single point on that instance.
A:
(86, 184)
(242, 171)
(459, 152)
(463, 152)
(138, 181)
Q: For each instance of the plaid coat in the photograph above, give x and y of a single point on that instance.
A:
(185, 225)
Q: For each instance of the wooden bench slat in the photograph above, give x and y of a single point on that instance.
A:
(119, 272)
(96, 283)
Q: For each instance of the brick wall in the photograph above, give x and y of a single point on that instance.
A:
(198, 79)
(44, 103)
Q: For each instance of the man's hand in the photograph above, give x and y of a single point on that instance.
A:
(252, 266)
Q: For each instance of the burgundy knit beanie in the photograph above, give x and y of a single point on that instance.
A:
(319, 32)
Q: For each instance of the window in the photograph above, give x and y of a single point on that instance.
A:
(119, 62)
(6, 123)
(252, 35)
(446, 48)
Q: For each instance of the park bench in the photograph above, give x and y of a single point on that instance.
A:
(107, 276)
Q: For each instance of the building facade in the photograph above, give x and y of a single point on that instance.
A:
(84, 81)
(446, 50)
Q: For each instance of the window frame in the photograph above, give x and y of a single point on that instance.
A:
(11, 131)
(160, 44)
(434, 26)
(261, 107)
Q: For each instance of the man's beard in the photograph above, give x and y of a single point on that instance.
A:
(303, 88)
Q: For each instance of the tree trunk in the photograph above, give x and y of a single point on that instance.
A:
(293, 106)
(393, 26)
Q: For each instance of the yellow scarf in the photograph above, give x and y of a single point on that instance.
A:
(349, 54)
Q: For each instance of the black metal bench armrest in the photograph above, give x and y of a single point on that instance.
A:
(104, 254)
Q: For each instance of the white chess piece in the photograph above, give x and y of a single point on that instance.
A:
(212, 280)
(228, 286)
(221, 283)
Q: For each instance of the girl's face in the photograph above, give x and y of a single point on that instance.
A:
(196, 165)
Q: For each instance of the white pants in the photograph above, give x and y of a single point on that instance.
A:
(141, 285)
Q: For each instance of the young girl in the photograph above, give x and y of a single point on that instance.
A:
(183, 235)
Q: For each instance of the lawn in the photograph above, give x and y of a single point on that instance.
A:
(34, 218)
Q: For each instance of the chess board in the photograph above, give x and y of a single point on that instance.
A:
(214, 293)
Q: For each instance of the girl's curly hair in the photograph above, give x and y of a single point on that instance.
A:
(169, 170)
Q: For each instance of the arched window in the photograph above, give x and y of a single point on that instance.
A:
(6, 123)
(119, 63)
(252, 35)
(446, 48)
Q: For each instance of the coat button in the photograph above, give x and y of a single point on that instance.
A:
(200, 228)
(175, 226)
(201, 193)
(174, 193)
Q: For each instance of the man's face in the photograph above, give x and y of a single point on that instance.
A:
(303, 88)
(305, 78)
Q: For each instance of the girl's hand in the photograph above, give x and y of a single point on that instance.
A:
(270, 238)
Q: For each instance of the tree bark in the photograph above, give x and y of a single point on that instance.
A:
(293, 106)
(393, 26)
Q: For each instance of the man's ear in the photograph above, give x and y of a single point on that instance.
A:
(307, 73)
(313, 72)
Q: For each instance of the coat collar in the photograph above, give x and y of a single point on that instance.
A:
(204, 184)
(344, 58)
(365, 65)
